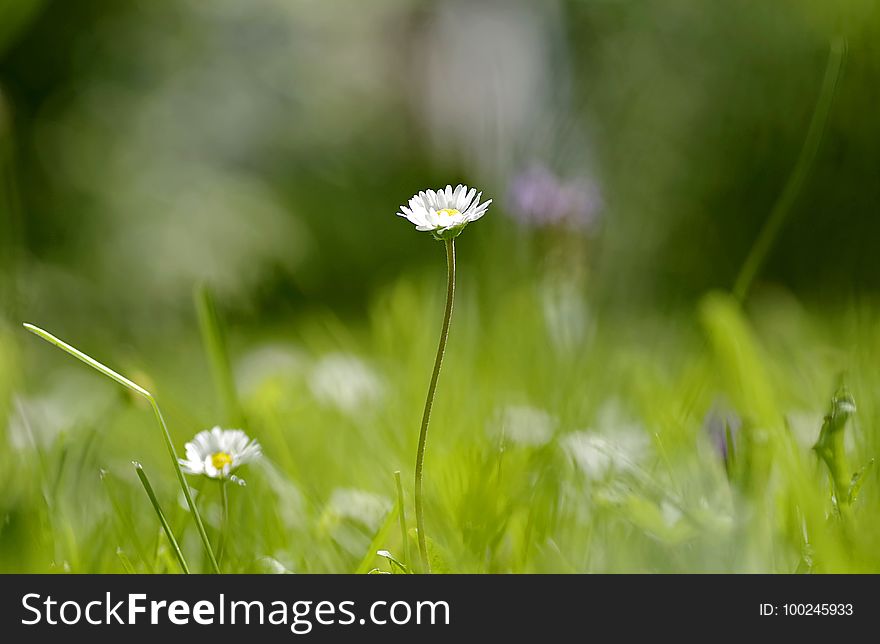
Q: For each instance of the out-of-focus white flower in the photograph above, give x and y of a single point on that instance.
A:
(49, 420)
(445, 212)
(71, 403)
(359, 505)
(217, 453)
(597, 456)
(344, 381)
(273, 566)
(671, 513)
(289, 502)
(351, 517)
(524, 425)
(270, 363)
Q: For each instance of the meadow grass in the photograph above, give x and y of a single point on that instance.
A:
(561, 442)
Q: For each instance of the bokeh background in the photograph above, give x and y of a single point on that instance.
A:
(633, 150)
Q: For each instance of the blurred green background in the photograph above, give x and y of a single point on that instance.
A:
(634, 151)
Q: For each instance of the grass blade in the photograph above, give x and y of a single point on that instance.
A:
(214, 341)
(94, 364)
(396, 565)
(773, 225)
(126, 562)
(125, 382)
(401, 516)
(379, 538)
(167, 528)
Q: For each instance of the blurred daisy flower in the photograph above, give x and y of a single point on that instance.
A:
(346, 382)
(217, 453)
(352, 516)
(524, 425)
(445, 213)
(599, 456)
(360, 506)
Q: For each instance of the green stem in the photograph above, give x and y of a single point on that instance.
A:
(401, 517)
(200, 526)
(831, 450)
(781, 209)
(167, 528)
(224, 520)
(429, 403)
(107, 371)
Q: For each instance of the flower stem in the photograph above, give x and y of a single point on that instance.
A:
(429, 403)
(224, 520)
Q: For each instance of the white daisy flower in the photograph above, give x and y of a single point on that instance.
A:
(598, 456)
(524, 425)
(359, 505)
(345, 381)
(217, 453)
(445, 213)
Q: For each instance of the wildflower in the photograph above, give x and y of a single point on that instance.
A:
(359, 506)
(351, 516)
(272, 566)
(270, 366)
(217, 453)
(345, 382)
(539, 198)
(600, 455)
(445, 213)
(723, 427)
(524, 425)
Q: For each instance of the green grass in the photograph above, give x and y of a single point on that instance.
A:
(612, 471)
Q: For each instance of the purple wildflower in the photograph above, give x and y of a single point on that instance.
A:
(723, 427)
(540, 198)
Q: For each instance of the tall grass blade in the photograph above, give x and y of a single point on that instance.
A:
(214, 340)
(401, 517)
(167, 528)
(125, 382)
(781, 209)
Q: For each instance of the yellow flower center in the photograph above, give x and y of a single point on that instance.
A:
(221, 459)
(449, 212)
